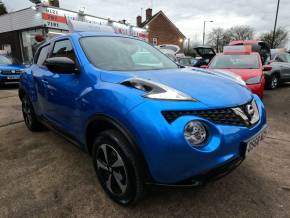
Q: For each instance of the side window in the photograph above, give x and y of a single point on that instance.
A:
(288, 57)
(42, 55)
(63, 48)
(280, 58)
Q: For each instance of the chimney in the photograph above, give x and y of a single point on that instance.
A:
(148, 13)
(139, 21)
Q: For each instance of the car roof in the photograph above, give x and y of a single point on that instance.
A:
(244, 42)
(239, 53)
(83, 34)
(88, 34)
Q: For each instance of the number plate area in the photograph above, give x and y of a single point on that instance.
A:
(254, 142)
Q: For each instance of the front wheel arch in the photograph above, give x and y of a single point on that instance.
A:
(269, 79)
(99, 123)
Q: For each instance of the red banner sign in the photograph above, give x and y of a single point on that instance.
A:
(53, 18)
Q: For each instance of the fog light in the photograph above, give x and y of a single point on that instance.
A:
(195, 133)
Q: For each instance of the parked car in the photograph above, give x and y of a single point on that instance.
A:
(246, 64)
(280, 72)
(142, 124)
(10, 70)
(257, 46)
(169, 50)
(187, 61)
(204, 55)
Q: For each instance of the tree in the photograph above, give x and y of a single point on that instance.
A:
(281, 37)
(218, 38)
(241, 33)
(3, 9)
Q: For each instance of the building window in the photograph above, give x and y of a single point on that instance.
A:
(155, 41)
(30, 44)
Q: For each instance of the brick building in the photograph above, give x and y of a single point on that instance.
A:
(160, 29)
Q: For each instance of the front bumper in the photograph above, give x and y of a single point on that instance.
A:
(171, 159)
(6, 79)
(208, 176)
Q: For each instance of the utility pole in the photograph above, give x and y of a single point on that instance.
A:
(275, 25)
(188, 42)
(203, 37)
(217, 43)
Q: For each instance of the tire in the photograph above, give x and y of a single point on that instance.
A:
(273, 81)
(118, 171)
(29, 116)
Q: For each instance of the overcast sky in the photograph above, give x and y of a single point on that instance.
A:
(188, 15)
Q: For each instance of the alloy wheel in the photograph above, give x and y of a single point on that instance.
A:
(112, 169)
(274, 82)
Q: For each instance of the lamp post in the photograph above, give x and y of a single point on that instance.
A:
(204, 22)
(274, 32)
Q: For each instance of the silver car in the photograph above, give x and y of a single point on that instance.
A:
(280, 72)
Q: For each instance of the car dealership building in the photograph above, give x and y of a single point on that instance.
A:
(22, 31)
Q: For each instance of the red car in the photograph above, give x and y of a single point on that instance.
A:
(245, 63)
(257, 46)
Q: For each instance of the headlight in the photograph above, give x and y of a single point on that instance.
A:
(253, 80)
(195, 133)
(156, 90)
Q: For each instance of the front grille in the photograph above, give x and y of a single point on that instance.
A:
(10, 72)
(229, 116)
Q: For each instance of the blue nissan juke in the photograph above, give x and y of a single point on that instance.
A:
(143, 118)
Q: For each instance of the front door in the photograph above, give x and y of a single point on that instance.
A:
(39, 72)
(281, 63)
(63, 91)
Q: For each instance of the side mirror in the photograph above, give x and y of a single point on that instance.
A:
(267, 68)
(62, 65)
(203, 66)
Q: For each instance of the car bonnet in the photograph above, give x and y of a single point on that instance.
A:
(210, 89)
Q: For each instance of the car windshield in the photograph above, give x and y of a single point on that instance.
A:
(193, 61)
(4, 60)
(235, 62)
(185, 61)
(124, 54)
(287, 57)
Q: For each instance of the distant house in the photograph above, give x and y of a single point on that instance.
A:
(160, 29)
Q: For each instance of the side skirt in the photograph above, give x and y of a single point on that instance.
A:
(59, 131)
